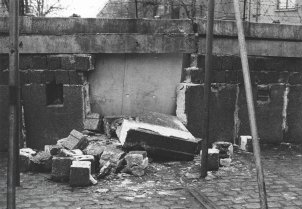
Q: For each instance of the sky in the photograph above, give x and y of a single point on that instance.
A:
(84, 8)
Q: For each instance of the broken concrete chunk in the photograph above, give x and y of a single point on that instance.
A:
(89, 158)
(162, 136)
(92, 122)
(75, 140)
(246, 143)
(105, 170)
(61, 168)
(111, 154)
(111, 124)
(25, 156)
(136, 163)
(213, 159)
(41, 162)
(52, 149)
(69, 153)
(80, 174)
(92, 180)
(27, 151)
(226, 162)
(95, 148)
(226, 149)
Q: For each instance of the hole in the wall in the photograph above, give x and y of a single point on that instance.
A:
(54, 94)
(263, 94)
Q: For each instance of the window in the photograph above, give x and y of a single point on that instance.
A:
(54, 94)
(286, 4)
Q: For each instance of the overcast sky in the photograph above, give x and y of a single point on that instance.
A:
(84, 8)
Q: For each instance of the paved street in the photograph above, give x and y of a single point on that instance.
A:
(166, 186)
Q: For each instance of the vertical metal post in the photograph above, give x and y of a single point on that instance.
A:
(244, 10)
(13, 104)
(250, 104)
(207, 87)
(136, 9)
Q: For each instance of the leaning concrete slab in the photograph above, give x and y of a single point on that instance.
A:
(162, 136)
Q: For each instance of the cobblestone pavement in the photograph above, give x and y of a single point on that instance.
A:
(165, 186)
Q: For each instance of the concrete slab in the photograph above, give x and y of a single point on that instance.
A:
(162, 136)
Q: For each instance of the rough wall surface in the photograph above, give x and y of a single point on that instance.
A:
(45, 124)
(222, 107)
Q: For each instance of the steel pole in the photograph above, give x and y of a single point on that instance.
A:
(250, 104)
(207, 87)
(13, 102)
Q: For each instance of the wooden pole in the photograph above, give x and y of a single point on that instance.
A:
(13, 103)
(250, 104)
(207, 87)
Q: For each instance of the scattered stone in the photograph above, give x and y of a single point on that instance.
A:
(92, 180)
(61, 168)
(112, 154)
(25, 155)
(111, 123)
(226, 149)
(162, 136)
(246, 143)
(89, 158)
(92, 122)
(136, 163)
(95, 148)
(69, 153)
(192, 175)
(41, 162)
(105, 170)
(52, 149)
(213, 159)
(226, 162)
(75, 140)
(80, 174)
(102, 191)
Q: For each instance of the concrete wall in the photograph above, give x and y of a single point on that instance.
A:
(277, 94)
(128, 84)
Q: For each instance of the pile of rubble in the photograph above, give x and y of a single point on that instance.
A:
(80, 159)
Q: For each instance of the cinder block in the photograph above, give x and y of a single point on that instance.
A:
(39, 62)
(61, 168)
(136, 163)
(54, 62)
(25, 156)
(52, 149)
(246, 143)
(48, 76)
(80, 174)
(95, 148)
(89, 158)
(84, 62)
(75, 140)
(77, 77)
(4, 62)
(4, 77)
(226, 149)
(62, 77)
(92, 122)
(213, 159)
(25, 62)
(193, 75)
(35, 76)
(42, 162)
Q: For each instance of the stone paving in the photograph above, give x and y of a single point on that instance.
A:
(165, 185)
